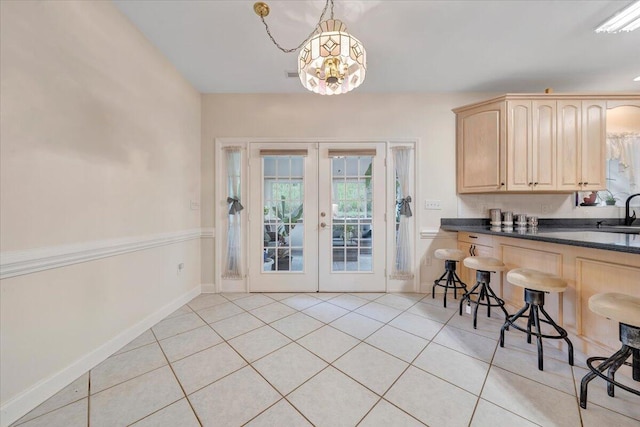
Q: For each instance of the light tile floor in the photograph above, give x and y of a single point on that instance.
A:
(331, 360)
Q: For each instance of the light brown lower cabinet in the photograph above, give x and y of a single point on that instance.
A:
(587, 272)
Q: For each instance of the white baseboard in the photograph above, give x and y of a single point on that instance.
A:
(209, 288)
(18, 406)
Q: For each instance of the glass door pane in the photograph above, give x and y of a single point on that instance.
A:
(283, 213)
(351, 201)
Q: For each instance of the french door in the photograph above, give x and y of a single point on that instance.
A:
(320, 225)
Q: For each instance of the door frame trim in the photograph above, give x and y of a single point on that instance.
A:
(218, 207)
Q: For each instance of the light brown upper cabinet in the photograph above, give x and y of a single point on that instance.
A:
(481, 149)
(581, 141)
(533, 143)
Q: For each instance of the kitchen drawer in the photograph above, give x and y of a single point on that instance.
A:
(475, 238)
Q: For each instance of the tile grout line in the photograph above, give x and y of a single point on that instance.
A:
(179, 384)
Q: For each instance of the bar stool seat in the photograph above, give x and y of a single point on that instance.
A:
(536, 284)
(450, 254)
(481, 293)
(449, 277)
(625, 309)
(619, 307)
(483, 263)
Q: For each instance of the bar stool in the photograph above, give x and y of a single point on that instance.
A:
(484, 266)
(625, 309)
(452, 281)
(536, 284)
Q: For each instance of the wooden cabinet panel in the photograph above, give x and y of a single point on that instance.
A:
(593, 148)
(569, 122)
(480, 150)
(543, 145)
(519, 149)
(593, 277)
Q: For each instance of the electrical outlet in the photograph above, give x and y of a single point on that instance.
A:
(427, 261)
(545, 208)
(433, 204)
(180, 268)
(194, 205)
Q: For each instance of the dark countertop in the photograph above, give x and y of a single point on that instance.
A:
(573, 232)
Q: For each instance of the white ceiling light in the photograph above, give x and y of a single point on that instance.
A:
(628, 19)
(331, 61)
(637, 79)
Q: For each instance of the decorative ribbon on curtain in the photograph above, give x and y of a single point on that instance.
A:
(402, 163)
(235, 207)
(404, 207)
(233, 267)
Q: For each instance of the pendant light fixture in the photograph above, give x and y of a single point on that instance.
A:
(331, 61)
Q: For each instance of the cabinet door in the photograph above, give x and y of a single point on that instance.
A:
(543, 145)
(481, 149)
(593, 145)
(519, 149)
(569, 124)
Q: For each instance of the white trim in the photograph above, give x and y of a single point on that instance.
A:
(29, 399)
(436, 233)
(208, 233)
(29, 261)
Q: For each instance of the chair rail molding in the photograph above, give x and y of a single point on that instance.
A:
(18, 263)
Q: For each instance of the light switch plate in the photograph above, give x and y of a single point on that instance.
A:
(433, 204)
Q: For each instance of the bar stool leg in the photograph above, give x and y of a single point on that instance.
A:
(561, 331)
(466, 296)
(584, 384)
(451, 281)
(536, 321)
(613, 368)
(635, 364)
(500, 300)
(435, 283)
(513, 318)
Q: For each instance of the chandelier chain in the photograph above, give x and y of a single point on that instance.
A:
(285, 50)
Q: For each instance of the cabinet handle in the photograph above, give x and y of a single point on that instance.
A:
(473, 237)
(471, 250)
(580, 183)
(502, 184)
(535, 183)
(531, 183)
(586, 183)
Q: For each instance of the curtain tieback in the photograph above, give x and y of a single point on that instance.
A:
(405, 208)
(235, 205)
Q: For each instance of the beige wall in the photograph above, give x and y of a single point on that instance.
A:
(100, 139)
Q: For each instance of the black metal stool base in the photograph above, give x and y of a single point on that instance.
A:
(630, 338)
(452, 281)
(535, 304)
(485, 296)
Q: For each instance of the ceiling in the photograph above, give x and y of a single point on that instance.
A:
(412, 46)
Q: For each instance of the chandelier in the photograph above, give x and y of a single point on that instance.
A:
(331, 61)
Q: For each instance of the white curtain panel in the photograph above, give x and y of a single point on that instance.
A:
(402, 163)
(625, 148)
(233, 265)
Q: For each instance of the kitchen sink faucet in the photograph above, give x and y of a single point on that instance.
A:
(628, 219)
